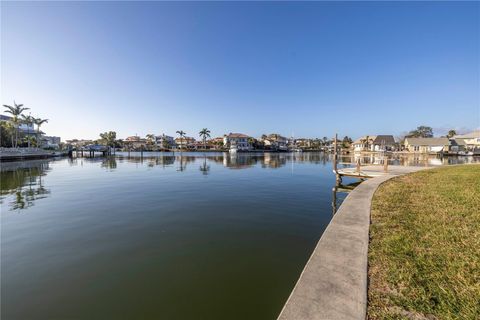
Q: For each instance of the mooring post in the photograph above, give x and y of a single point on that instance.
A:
(385, 164)
(335, 153)
(334, 200)
(338, 177)
(358, 165)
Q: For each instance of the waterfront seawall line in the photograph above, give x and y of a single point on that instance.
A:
(333, 284)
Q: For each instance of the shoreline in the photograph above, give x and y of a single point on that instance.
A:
(333, 283)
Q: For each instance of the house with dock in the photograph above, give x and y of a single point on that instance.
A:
(374, 143)
(185, 142)
(24, 129)
(135, 142)
(50, 141)
(237, 141)
(164, 141)
(471, 140)
(427, 145)
(275, 141)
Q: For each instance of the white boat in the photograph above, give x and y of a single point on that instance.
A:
(233, 149)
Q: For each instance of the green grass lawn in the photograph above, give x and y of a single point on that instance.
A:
(424, 253)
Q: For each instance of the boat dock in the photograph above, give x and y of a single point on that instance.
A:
(366, 171)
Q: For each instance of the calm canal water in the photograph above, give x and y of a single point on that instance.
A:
(191, 236)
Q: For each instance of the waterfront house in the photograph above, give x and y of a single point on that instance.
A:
(457, 145)
(135, 142)
(199, 145)
(50, 141)
(472, 140)
(238, 141)
(275, 141)
(217, 142)
(427, 145)
(79, 143)
(303, 143)
(164, 141)
(24, 129)
(374, 143)
(185, 142)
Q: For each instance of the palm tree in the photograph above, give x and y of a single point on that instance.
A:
(28, 120)
(204, 133)
(150, 139)
(38, 122)
(7, 132)
(165, 143)
(16, 111)
(324, 141)
(451, 133)
(252, 142)
(182, 134)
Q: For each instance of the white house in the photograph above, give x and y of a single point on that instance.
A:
(276, 141)
(164, 140)
(472, 139)
(51, 141)
(238, 141)
(184, 142)
(427, 145)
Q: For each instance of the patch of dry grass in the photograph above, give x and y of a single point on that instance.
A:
(424, 253)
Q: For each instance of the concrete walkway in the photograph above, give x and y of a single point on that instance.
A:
(333, 284)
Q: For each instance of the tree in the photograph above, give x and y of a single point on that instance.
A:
(421, 132)
(325, 141)
(451, 133)
(7, 134)
(28, 120)
(204, 133)
(165, 143)
(150, 139)
(366, 142)
(253, 142)
(16, 111)
(182, 134)
(109, 138)
(38, 122)
(346, 142)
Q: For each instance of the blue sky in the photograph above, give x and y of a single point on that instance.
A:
(311, 68)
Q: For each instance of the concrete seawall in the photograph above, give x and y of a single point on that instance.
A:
(333, 284)
(29, 155)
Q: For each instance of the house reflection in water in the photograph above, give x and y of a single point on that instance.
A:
(24, 180)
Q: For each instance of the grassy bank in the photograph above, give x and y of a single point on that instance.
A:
(424, 253)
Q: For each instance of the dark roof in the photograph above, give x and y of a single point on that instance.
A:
(384, 139)
(458, 142)
(378, 140)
